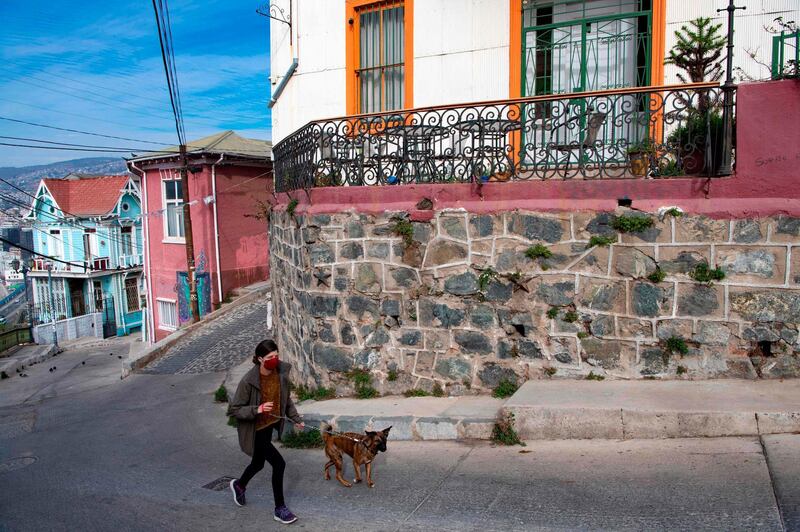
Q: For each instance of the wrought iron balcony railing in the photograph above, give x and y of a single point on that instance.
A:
(654, 132)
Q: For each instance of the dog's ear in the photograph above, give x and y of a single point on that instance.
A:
(386, 430)
(370, 433)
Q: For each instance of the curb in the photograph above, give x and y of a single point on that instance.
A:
(410, 428)
(159, 348)
(11, 367)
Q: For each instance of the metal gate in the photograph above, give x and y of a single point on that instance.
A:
(109, 317)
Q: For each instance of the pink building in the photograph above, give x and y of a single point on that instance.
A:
(229, 176)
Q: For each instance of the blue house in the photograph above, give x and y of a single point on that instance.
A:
(92, 226)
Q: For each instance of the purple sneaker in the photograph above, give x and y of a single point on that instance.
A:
(238, 492)
(283, 515)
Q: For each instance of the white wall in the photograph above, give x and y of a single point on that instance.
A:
(461, 51)
(749, 29)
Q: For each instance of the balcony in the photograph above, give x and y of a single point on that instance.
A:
(636, 133)
(98, 264)
(130, 261)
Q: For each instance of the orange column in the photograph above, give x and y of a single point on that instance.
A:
(515, 67)
(657, 44)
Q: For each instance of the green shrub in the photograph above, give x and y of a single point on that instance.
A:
(366, 392)
(631, 224)
(290, 208)
(392, 375)
(505, 388)
(486, 277)
(363, 383)
(583, 335)
(657, 276)
(601, 241)
(674, 212)
(504, 432)
(438, 391)
(682, 370)
(676, 344)
(703, 273)
(592, 376)
(571, 316)
(552, 313)
(416, 392)
(316, 394)
(538, 251)
(405, 230)
(221, 394)
(307, 439)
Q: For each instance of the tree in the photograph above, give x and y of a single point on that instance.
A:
(698, 51)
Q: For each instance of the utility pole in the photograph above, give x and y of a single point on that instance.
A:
(727, 96)
(52, 306)
(187, 233)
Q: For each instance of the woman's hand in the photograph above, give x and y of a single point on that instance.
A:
(265, 407)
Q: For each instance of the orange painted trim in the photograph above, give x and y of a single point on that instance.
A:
(658, 42)
(515, 49)
(353, 52)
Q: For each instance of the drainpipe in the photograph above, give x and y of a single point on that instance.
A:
(216, 223)
(282, 84)
(150, 314)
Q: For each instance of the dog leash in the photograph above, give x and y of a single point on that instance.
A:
(331, 432)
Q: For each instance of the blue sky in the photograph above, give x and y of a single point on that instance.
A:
(96, 66)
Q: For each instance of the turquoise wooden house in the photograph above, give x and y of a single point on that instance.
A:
(92, 225)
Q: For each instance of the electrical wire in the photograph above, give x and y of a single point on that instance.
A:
(32, 252)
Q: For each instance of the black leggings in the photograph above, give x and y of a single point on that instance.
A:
(263, 450)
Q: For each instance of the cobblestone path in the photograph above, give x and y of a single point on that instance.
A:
(219, 345)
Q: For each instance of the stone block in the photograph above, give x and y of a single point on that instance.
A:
(424, 363)
(499, 292)
(492, 374)
(756, 304)
(437, 340)
(367, 358)
(433, 314)
(680, 260)
(354, 229)
(482, 316)
(473, 342)
(653, 361)
(753, 264)
(410, 338)
(555, 292)
(608, 354)
(463, 284)
(778, 422)
(786, 229)
(595, 262)
(481, 226)
(749, 231)
(651, 300)
(634, 262)
(368, 278)
(453, 368)
(538, 228)
(326, 332)
(350, 251)
(453, 226)
(700, 300)
(391, 307)
(589, 224)
(660, 231)
(400, 278)
(564, 350)
(477, 428)
(437, 428)
(361, 307)
(794, 266)
(321, 306)
(376, 337)
(347, 334)
(509, 255)
(442, 251)
(552, 423)
(378, 250)
(321, 253)
(651, 424)
(700, 229)
(634, 328)
(331, 357)
(602, 294)
(714, 333)
(666, 329)
(602, 325)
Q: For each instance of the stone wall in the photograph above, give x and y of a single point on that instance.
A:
(461, 304)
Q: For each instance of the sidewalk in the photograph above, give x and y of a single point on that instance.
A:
(25, 356)
(573, 409)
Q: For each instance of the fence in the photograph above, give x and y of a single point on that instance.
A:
(12, 337)
(786, 55)
(656, 132)
(70, 328)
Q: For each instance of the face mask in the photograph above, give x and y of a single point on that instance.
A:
(271, 363)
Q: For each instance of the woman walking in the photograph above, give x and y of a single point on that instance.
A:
(261, 402)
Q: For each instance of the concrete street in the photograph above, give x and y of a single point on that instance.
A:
(81, 449)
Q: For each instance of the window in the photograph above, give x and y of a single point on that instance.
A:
(90, 250)
(173, 204)
(55, 245)
(132, 293)
(380, 70)
(127, 241)
(167, 315)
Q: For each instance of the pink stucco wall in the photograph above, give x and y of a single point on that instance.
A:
(243, 241)
(766, 180)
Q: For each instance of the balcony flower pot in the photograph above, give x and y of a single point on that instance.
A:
(639, 156)
(700, 132)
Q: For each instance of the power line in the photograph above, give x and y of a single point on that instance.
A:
(78, 131)
(167, 71)
(60, 148)
(26, 139)
(32, 252)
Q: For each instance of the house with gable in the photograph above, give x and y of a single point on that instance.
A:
(87, 274)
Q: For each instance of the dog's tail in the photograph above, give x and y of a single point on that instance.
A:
(325, 429)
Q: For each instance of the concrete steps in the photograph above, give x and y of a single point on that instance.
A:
(27, 355)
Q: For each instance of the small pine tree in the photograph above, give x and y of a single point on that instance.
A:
(698, 51)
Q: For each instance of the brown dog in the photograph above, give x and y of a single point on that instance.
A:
(362, 448)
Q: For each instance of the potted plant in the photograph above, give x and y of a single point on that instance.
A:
(699, 133)
(639, 155)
